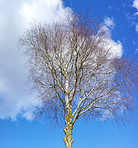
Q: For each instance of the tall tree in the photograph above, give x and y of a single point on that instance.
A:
(75, 74)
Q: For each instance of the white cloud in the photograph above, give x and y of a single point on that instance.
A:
(109, 22)
(107, 26)
(106, 115)
(116, 47)
(137, 27)
(43, 10)
(135, 4)
(14, 19)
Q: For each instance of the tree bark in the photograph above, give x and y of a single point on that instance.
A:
(68, 130)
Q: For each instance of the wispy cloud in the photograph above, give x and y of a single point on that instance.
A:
(136, 51)
(135, 5)
(107, 26)
(109, 22)
(137, 27)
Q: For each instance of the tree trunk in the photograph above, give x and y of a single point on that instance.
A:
(68, 131)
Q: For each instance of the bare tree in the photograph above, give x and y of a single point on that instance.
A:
(75, 74)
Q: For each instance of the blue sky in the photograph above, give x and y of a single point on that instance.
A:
(17, 130)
